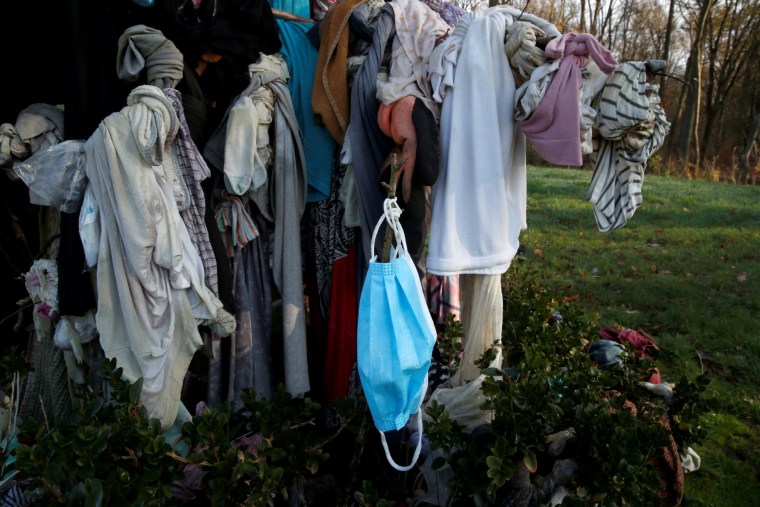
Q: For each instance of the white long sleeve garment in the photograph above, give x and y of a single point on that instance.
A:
(479, 201)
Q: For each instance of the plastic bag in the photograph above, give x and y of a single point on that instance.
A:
(55, 176)
(89, 227)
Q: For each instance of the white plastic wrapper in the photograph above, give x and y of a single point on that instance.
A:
(55, 176)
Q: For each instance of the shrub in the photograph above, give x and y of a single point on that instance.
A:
(613, 427)
(551, 404)
(103, 454)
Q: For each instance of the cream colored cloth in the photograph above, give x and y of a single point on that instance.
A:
(247, 147)
(482, 318)
(443, 59)
(151, 294)
(522, 52)
(417, 29)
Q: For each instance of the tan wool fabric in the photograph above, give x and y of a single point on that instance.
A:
(330, 97)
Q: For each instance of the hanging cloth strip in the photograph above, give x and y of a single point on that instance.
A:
(193, 170)
(619, 164)
(234, 223)
(287, 202)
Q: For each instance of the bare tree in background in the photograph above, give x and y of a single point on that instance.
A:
(474, 5)
(731, 40)
(689, 104)
(748, 159)
(667, 42)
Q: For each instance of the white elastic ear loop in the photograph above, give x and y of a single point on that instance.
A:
(417, 450)
(391, 214)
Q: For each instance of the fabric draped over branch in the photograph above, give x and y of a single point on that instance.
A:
(151, 290)
(630, 112)
(142, 47)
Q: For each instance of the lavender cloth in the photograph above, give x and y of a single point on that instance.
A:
(554, 127)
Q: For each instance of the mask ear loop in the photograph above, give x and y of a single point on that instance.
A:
(391, 214)
(417, 450)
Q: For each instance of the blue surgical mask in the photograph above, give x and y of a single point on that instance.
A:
(395, 337)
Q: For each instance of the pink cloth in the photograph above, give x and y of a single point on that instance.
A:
(554, 128)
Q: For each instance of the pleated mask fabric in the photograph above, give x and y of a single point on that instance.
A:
(395, 337)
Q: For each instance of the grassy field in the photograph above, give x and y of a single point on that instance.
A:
(684, 270)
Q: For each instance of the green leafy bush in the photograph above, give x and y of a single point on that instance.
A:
(614, 427)
(266, 451)
(103, 454)
(549, 403)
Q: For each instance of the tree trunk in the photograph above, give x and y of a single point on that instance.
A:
(688, 123)
(751, 87)
(749, 145)
(668, 36)
(582, 24)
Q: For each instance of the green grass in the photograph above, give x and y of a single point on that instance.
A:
(685, 270)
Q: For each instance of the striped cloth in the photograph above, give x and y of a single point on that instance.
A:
(638, 128)
(442, 293)
(234, 223)
(623, 102)
(193, 170)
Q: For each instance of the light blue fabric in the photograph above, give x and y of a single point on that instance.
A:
(606, 353)
(300, 8)
(395, 336)
(319, 146)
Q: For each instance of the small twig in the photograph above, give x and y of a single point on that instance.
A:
(391, 189)
(523, 11)
(15, 313)
(310, 422)
(287, 16)
(671, 76)
(701, 364)
(176, 457)
(44, 414)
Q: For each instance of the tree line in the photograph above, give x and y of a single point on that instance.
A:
(710, 87)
